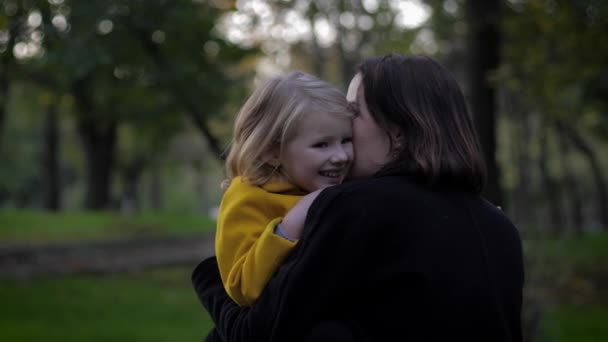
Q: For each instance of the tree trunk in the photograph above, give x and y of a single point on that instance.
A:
(350, 57)
(50, 161)
(347, 64)
(99, 141)
(345, 59)
(524, 171)
(584, 147)
(3, 99)
(155, 190)
(131, 176)
(98, 137)
(15, 25)
(551, 188)
(318, 57)
(484, 38)
(575, 198)
(179, 90)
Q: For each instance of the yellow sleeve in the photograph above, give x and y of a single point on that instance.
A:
(248, 252)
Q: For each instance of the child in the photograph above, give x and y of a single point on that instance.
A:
(292, 136)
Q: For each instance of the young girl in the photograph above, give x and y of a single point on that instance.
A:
(291, 137)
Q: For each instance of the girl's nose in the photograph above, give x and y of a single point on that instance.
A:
(340, 155)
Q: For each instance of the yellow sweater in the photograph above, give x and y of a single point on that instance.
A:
(248, 252)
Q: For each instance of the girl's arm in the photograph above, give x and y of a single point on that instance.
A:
(293, 223)
(248, 252)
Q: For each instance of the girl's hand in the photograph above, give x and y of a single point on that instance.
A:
(293, 223)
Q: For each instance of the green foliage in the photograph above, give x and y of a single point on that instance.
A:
(145, 67)
(562, 71)
(37, 226)
(147, 306)
(20, 148)
(143, 59)
(354, 30)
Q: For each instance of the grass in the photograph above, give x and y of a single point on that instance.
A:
(573, 250)
(576, 323)
(570, 271)
(160, 305)
(147, 306)
(37, 226)
(570, 277)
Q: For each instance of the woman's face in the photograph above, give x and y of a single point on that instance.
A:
(370, 142)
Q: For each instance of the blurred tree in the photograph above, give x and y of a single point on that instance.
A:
(326, 38)
(561, 75)
(20, 174)
(11, 22)
(143, 141)
(122, 60)
(51, 168)
(13, 26)
(484, 40)
(168, 33)
(550, 183)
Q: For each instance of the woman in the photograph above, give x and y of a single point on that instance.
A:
(408, 250)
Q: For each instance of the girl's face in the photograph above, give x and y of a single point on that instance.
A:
(371, 142)
(320, 153)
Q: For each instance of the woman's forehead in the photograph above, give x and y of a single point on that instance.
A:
(351, 94)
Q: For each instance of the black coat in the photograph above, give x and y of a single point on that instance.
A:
(385, 259)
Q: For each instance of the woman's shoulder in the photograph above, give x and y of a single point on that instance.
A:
(370, 194)
(398, 195)
(385, 186)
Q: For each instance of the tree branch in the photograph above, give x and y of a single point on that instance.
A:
(178, 90)
(585, 148)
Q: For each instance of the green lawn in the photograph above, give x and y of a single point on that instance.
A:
(572, 250)
(148, 306)
(567, 323)
(161, 306)
(38, 226)
(571, 277)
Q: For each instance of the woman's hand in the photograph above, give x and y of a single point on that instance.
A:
(293, 223)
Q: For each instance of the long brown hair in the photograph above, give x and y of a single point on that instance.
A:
(439, 144)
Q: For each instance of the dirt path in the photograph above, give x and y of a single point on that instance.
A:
(103, 256)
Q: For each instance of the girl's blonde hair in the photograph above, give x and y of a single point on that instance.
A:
(269, 118)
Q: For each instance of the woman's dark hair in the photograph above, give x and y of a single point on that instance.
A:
(438, 146)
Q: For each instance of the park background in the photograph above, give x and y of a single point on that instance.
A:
(115, 114)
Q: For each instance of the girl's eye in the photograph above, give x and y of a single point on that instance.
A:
(347, 140)
(320, 145)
